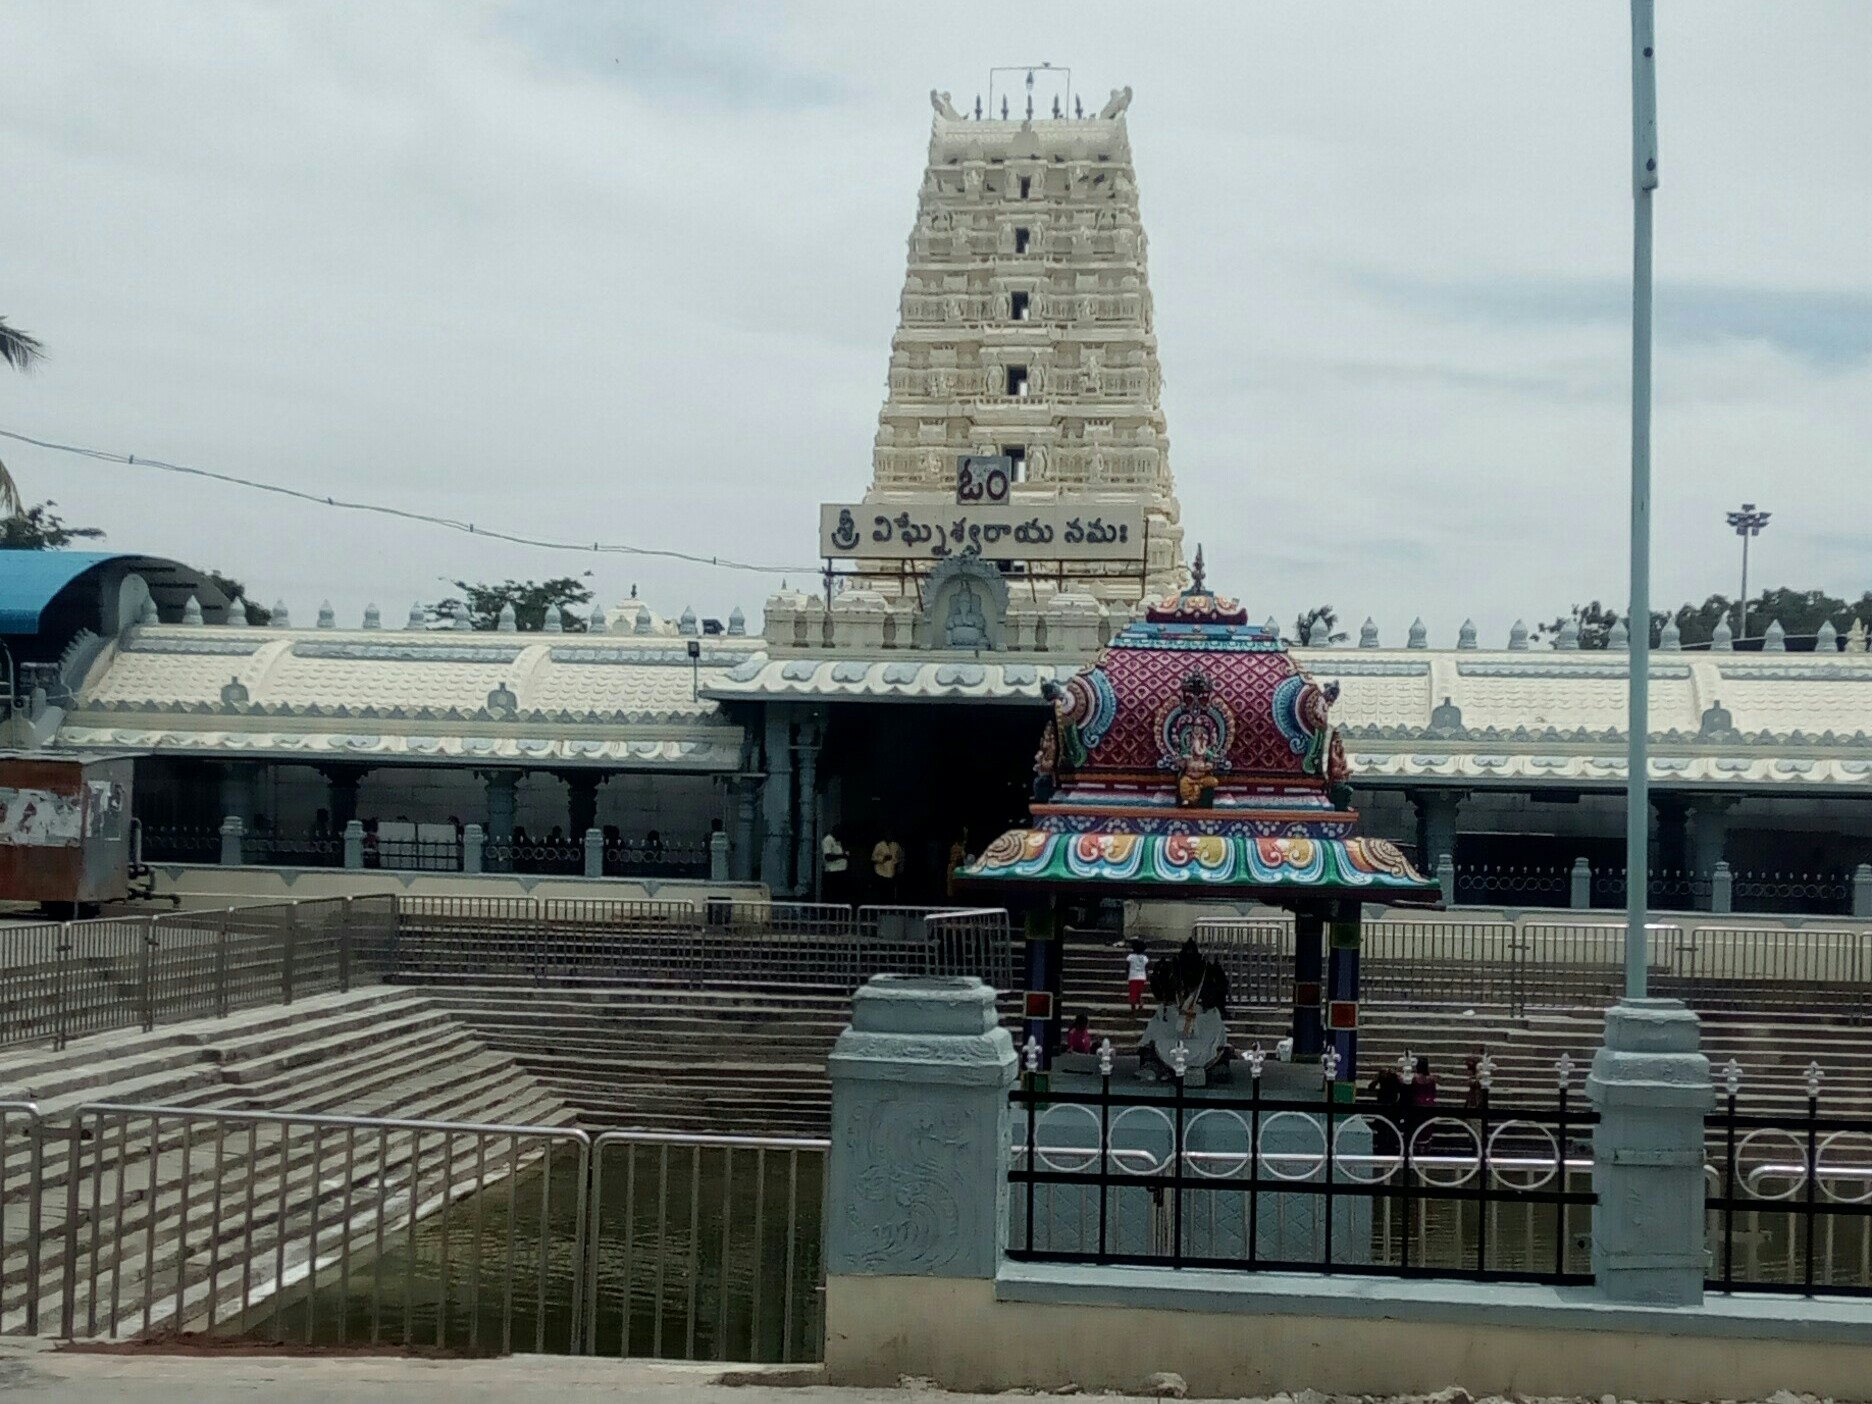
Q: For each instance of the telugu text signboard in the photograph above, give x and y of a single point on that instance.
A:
(893, 532)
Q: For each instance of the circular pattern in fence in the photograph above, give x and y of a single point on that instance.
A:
(1136, 1160)
(1767, 1156)
(1074, 1159)
(1515, 1143)
(1292, 1164)
(1212, 1163)
(1843, 1162)
(1377, 1165)
(1436, 1156)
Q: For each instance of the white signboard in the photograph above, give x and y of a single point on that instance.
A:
(1009, 531)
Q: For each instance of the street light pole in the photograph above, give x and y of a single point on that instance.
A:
(1638, 720)
(1748, 522)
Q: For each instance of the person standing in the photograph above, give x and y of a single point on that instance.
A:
(832, 867)
(1137, 972)
(887, 859)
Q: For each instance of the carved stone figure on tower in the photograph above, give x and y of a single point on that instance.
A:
(1120, 100)
(944, 107)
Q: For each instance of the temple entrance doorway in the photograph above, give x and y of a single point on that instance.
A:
(924, 774)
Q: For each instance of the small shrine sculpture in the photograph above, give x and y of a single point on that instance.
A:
(1189, 1027)
(1196, 758)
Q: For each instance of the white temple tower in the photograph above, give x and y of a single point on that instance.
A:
(1026, 328)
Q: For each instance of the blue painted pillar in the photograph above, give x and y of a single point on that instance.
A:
(916, 1176)
(1343, 935)
(1308, 1036)
(1650, 1085)
(806, 811)
(777, 802)
(1044, 932)
(741, 847)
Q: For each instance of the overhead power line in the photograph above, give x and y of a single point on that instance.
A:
(427, 518)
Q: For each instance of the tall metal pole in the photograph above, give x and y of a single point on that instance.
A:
(1638, 721)
(1742, 623)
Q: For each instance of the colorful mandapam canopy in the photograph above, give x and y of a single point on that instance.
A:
(1196, 753)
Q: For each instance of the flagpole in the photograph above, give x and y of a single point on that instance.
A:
(1638, 720)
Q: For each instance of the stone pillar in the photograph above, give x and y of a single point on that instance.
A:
(354, 843)
(718, 857)
(1673, 836)
(916, 1182)
(473, 837)
(1862, 890)
(342, 793)
(1343, 938)
(582, 799)
(1308, 1034)
(776, 868)
(1709, 833)
(501, 785)
(594, 852)
(232, 832)
(1580, 897)
(1437, 814)
(237, 793)
(1722, 890)
(1446, 879)
(741, 848)
(806, 811)
(1651, 1088)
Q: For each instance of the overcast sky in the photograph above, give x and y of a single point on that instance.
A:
(629, 272)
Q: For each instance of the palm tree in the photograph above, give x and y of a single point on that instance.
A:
(22, 351)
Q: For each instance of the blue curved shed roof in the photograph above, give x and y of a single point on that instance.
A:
(31, 580)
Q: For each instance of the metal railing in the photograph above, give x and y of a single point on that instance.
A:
(59, 981)
(1789, 1203)
(706, 1247)
(1292, 1183)
(325, 1230)
(1535, 963)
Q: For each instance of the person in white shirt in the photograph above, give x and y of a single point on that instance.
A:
(1137, 970)
(832, 865)
(887, 858)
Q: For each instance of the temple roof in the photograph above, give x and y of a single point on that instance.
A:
(1196, 752)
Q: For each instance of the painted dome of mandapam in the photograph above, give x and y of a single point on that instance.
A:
(1196, 751)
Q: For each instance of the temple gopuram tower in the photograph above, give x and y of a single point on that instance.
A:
(1026, 331)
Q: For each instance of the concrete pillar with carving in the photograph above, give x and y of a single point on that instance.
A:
(741, 846)
(916, 1177)
(1438, 811)
(233, 831)
(501, 785)
(806, 812)
(594, 853)
(1722, 890)
(776, 868)
(237, 792)
(473, 838)
(354, 843)
(718, 856)
(582, 800)
(1650, 1084)
(1579, 896)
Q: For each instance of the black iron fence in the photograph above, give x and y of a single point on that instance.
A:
(1283, 1180)
(1789, 1205)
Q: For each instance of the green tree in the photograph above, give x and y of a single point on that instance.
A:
(22, 351)
(1595, 623)
(234, 590)
(1799, 612)
(529, 598)
(1303, 626)
(39, 528)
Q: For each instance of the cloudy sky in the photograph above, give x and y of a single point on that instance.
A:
(628, 272)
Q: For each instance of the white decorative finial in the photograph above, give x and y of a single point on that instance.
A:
(1404, 1061)
(237, 612)
(1255, 1060)
(1179, 1061)
(1732, 1077)
(191, 612)
(1563, 1071)
(1329, 1064)
(326, 618)
(417, 618)
(1485, 1071)
(595, 621)
(1368, 634)
(504, 621)
(1032, 1054)
(281, 618)
(1419, 635)
(554, 622)
(1105, 1058)
(1814, 1074)
(373, 618)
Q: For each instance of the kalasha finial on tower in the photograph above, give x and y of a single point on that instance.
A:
(1196, 572)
